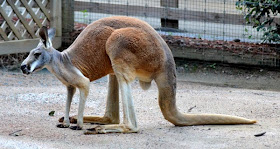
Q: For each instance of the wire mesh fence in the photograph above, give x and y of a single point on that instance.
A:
(208, 21)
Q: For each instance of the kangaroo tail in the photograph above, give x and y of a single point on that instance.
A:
(167, 91)
(207, 119)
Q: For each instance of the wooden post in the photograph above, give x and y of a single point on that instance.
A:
(165, 22)
(55, 21)
(67, 22)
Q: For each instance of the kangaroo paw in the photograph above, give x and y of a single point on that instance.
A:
(61, 119)
(72, 119)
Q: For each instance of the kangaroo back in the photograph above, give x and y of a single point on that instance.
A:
(88, 51)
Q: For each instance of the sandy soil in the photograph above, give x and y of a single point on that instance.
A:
(27, 101)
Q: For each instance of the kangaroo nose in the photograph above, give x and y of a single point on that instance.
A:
(22, 67)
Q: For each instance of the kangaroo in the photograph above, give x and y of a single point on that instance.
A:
(124, 48)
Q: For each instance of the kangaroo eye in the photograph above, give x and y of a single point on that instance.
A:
(37, 55)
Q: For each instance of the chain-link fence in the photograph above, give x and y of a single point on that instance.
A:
(206, 20)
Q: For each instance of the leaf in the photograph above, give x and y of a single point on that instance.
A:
(259, 134)
(260, 27)
(261, 14)
(213, 66)
(84, 11)
(16, 133)
(51, 113)
(238, 8)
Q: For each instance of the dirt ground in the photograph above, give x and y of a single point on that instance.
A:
(27, 100)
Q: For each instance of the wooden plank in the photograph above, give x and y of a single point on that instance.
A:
(23, 46)
(160, 12)
(11, 35)
(44, 10)
(169, 3)
(224, 56)
(10, 23)
(4, 25)
(22, 19)
(31, 12)
(3, 35)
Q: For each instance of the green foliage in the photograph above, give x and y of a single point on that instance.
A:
(213, 66)
(84, 13)
(261, 14)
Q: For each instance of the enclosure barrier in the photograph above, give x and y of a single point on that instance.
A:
(203, 20)
(21, 20)
(209, 28)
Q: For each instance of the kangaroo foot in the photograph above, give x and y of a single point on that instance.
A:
(100, 120)
(96, 130)
(114, 128)
(76, 128)
(62, 126)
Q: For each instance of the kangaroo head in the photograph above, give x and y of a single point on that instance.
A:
(41, 56)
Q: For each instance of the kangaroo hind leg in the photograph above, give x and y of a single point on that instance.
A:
(129, 119)
(111, 115)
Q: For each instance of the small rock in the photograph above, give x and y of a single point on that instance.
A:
(236, 40)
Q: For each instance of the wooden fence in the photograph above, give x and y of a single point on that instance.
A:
(20, 21)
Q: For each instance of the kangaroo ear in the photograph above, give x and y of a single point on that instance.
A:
(46, 36)
(51, 33)
(43, 33)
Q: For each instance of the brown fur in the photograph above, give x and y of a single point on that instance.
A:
(132, 34)
(135, 50)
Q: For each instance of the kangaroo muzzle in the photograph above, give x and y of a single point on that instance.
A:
(25, 69)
